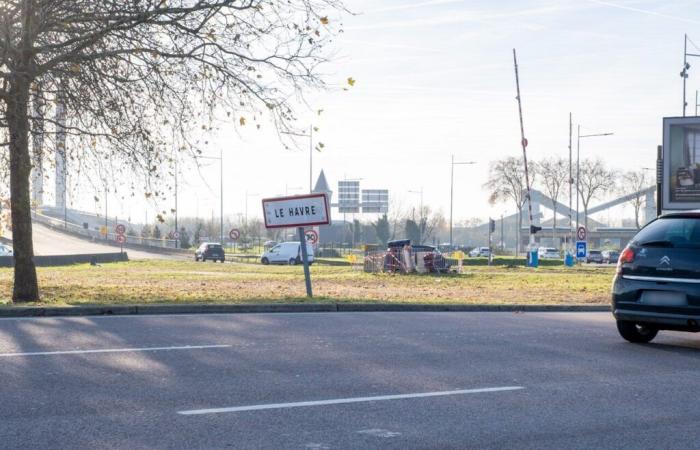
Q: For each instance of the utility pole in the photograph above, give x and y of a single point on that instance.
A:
(311, 158)
(221, 194)
(523, 142)
(452, 188)
(177, 241)
(684, 71)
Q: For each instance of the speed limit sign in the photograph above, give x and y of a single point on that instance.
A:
(311, 236)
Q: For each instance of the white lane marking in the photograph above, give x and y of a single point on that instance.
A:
(338, 401)
(112, 350)
(378, 432)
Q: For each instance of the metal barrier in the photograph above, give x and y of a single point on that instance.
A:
(389, 261)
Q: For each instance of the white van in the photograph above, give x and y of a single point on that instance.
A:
(287, 253)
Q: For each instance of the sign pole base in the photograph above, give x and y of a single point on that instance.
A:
(305, 260)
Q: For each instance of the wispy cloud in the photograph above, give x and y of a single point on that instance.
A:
(414, 6)
(462, 16)
(645, 11)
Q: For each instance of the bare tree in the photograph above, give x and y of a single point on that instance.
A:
(554, 175)
(633, 182)
(130, 73)
(507, 182)
(595, 179)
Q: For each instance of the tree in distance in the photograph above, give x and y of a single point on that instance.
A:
(131, 74)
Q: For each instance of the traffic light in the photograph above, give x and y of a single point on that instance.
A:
(534, 229)
(492, 225)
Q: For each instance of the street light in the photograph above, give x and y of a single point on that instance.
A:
(311, 152)
(579, 136)
(421, 201)
(452, 187)
(246, 204)
(684, 71)
(221, 189)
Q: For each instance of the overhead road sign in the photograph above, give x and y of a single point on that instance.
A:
(296, 211)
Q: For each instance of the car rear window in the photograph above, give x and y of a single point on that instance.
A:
(214, 247)
(676, 232)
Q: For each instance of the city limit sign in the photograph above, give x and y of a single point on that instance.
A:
(296, 211)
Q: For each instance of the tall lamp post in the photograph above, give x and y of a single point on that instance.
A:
(580, 136)
(221, 190)
(452, 187)
(684, 71)
(310, 135)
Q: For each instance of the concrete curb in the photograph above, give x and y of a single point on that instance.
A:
(119, 310)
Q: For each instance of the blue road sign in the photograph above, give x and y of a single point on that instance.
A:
(581, 249)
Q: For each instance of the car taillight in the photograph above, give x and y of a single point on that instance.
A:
(627, 256)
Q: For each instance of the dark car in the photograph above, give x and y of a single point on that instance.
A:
(595, 256)
(211, 251)
(611, 257)
(657, 285)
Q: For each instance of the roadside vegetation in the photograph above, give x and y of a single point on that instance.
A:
(141, 282)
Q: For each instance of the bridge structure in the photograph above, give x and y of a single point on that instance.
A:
(599, 233)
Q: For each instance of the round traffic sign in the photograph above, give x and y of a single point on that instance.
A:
(120, 228)
(121, 239)
(234, 234)
(176, 235)
(311, 236)
(524, 142)
(581, 233)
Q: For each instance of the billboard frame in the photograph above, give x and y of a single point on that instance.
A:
(665, 200)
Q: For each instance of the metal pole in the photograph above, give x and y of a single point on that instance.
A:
(503, 244)
(685, 64)
(571, 184)
(305, 260)
(452, 187)
(490, 250)
(659, 180)
(524, 145)
(221, 193)
(177, 241)
(106, 216)
(578, 169)
(311, 157)
(696, 102)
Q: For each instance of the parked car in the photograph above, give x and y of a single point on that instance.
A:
(548, 253)
(5, 250)
(611, 256)
(287, 253)
(657, 285)
(483, 252)
(595, 256)
(209, 251)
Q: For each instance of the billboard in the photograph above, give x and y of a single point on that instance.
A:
(375, 200)
(348, 196)
(681, 163)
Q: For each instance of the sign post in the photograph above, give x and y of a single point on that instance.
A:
(298, 211)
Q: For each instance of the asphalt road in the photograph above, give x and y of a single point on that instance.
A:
(50, 242)
(564, 380)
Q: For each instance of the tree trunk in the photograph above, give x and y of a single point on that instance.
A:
(26, 288)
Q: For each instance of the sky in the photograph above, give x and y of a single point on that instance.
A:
(435, 78)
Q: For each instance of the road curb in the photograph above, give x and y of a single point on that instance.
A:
(119, 310)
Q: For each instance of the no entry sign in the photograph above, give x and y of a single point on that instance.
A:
(297, 211)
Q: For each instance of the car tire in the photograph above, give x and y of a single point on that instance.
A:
(292, 261)
(265, 261)
(222, 260)
(196, 259)
(633, 332)
(204, 259)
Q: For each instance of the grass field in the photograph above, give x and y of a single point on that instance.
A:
(139, 282)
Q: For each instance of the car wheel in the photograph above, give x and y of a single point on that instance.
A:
(196, 259)
(265, 261)
(633, 332)
(292, 261)
(204, 259)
